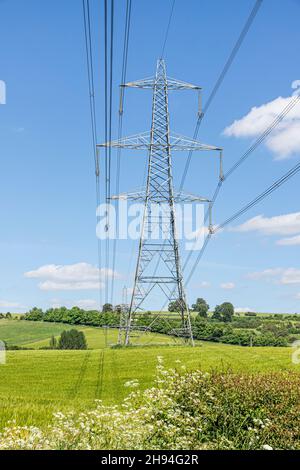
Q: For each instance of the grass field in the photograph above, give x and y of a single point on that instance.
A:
(37, 334)
(35, 383)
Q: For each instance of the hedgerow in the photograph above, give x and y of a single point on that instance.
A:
(203, 329)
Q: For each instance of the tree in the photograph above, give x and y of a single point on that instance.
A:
(72, 339)
(53, 342)
(201, 306)
(74, 315)
(217, 315)
(35, 314)
(250, 314)
(107, 308)
(227, 311)
(175, 306)
(8, 316)
(223, 312)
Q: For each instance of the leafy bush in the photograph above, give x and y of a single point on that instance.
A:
(107, 308)
(201, 306)
(53, 342)
(35, 314)
(206, 331)
(243, 322)
(223, 312)
(77, 316)
(72, 339)
(174, 306)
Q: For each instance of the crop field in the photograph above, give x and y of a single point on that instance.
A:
(36, 383)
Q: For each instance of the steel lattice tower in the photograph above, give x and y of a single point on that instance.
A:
(158, 262)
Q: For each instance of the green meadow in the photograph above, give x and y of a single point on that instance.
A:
(35, 383)
(37, 335)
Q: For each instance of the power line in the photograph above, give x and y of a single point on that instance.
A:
(234, 52)
(167, 30)
(106, 138)
(286, 177)
(213, 93)
(110, 91)
(108, 123)
(264, 135)
(120, 128)
(90, 73)
(219, 81)
(292, 103)
(110, 118)
(200, 255)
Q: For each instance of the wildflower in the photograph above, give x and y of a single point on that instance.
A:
(267, 447)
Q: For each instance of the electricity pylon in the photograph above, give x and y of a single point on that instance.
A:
(123, 314)
(158, 262)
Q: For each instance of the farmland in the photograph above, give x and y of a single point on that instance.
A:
(35, 383)
(35, 335)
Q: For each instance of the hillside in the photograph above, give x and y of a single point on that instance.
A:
(37, 334)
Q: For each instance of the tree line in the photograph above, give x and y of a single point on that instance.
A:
(223, 312)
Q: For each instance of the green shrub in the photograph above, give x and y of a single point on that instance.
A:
(53, 343)
(35, 314)
(72, 339)
(246, 322)
(223, 312)
(202, 307)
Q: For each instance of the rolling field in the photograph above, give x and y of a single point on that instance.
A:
(35, 383)
(37, 334)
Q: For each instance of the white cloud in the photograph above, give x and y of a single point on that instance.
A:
(85, 285)
(7, 304)
(284, 140)
(290, 276)
(292, 241)
(298, 296)
(242, 309)
(282, 276)
(85, 304)
(286, 224)
(69, 272)
(266, 274)
(227, 285)
(79, 276)
(205, 284)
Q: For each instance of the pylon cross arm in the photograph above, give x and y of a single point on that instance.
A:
(178, 197)
(142, 141)
(172, 84)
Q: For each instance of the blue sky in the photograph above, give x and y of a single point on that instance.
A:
(47, 188)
